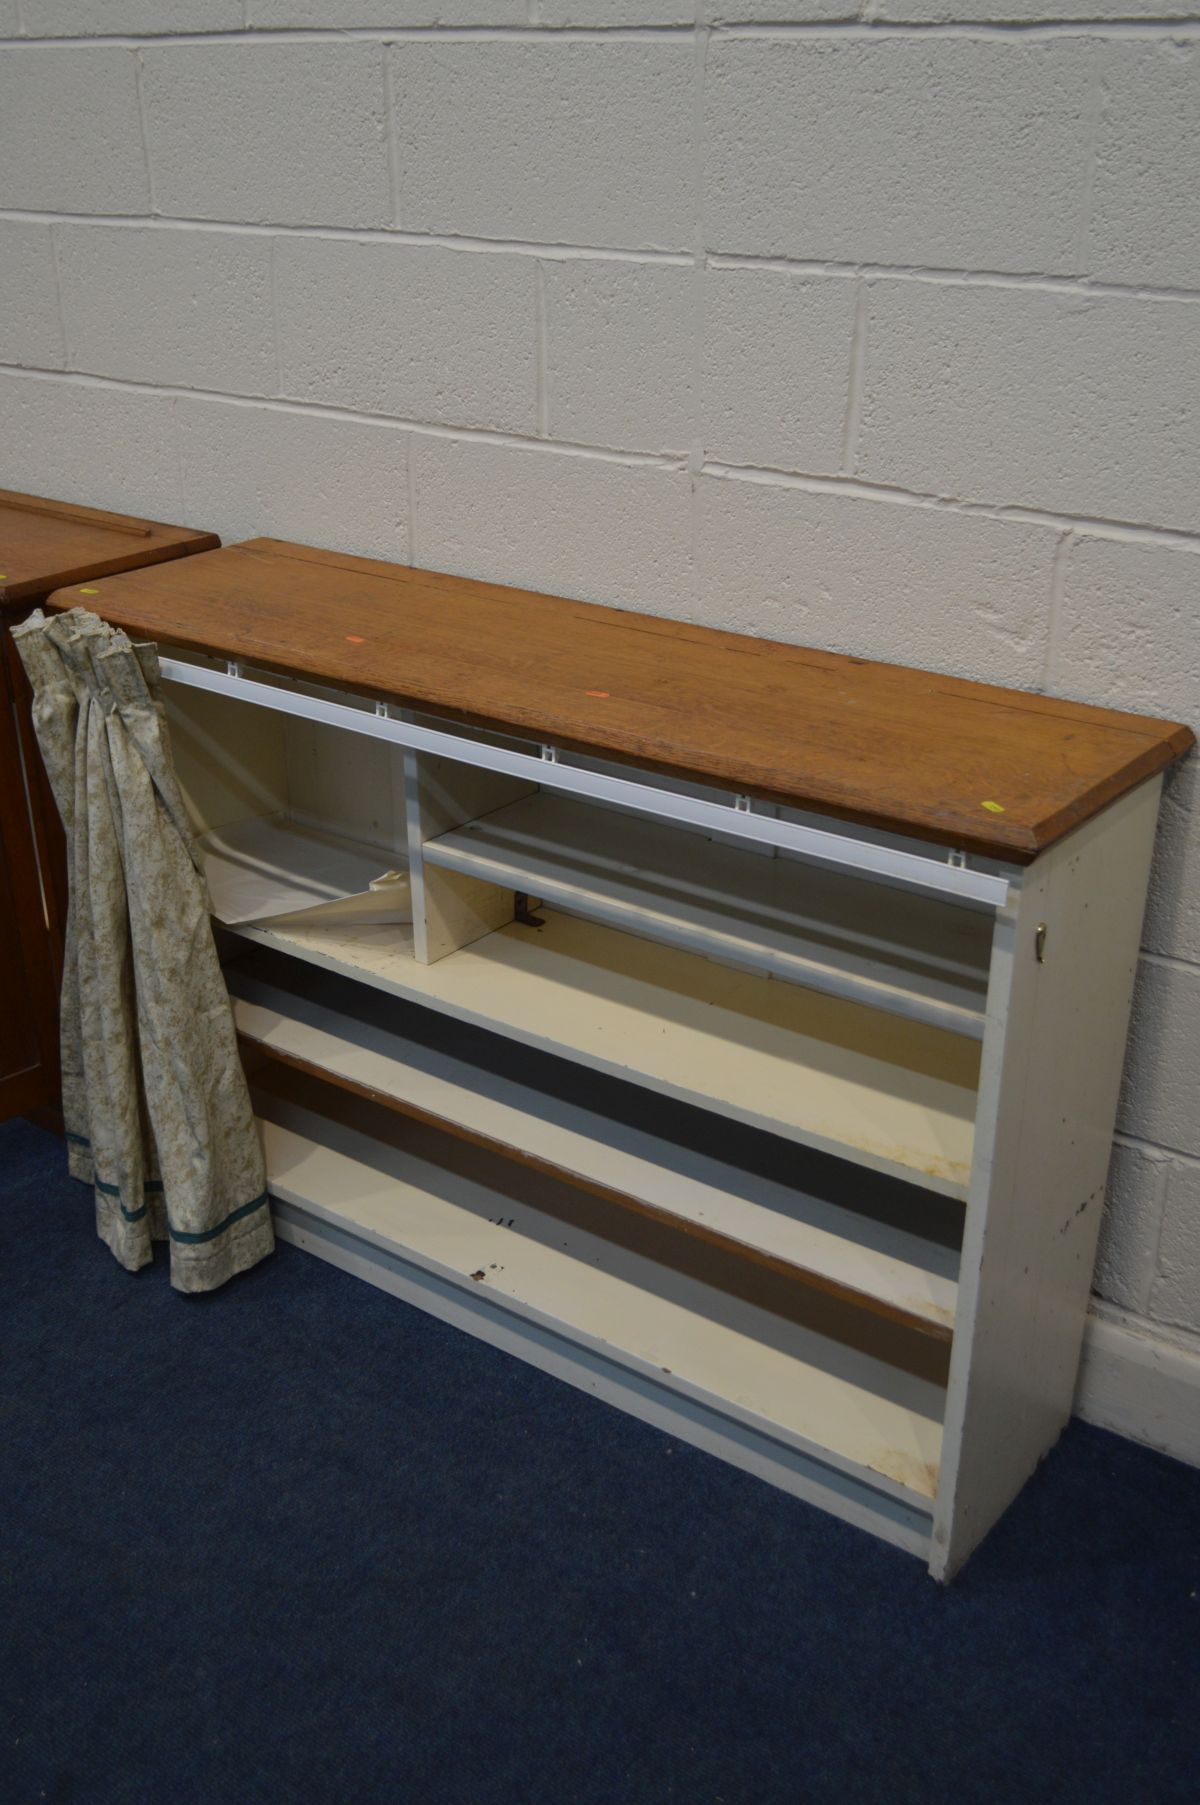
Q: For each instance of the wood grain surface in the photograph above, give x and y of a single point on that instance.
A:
(46, 543)
(994, 771)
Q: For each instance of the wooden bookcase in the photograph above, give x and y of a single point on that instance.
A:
(752, 1056)
(43, 544)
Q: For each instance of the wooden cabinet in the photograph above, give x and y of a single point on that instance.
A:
(750, 1059)
(44, 544)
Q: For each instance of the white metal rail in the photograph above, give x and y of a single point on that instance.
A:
(946, 877)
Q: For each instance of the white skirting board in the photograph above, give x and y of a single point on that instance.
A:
(1141, 1385)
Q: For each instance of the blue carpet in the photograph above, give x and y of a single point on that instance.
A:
(299, 1542)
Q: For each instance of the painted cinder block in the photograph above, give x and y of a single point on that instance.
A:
(619, 354)
(781, 12)
(285, 134)
(1145, 223)
(540, 519)
(189, 309)
(251, 470)
(1026, 12)
(344, 15)
(413, 331)
(616, 12)
(154, 18)
(1125, 630)
(905, 150)
(104, 446)
(70, 138)
(1085, 405)
(1175, 1297)
(1162, 1068)
(557, 142)
(1126, 1258)
(1172, 923)
(776, 368)
(874, 579)
(30, 332)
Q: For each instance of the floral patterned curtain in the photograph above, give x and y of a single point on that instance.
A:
(157, 1112)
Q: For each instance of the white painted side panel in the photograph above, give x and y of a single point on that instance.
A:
(1048, 1096)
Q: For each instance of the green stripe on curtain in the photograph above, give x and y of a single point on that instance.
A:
(210, 1234)
(179, 1234)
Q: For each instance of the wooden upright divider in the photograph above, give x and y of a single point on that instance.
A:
(751, 1057)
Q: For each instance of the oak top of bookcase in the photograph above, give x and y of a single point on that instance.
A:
(45, 543)
(995, 771)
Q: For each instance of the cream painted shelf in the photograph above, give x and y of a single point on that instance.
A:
(520, 1104)
(914, 956)
(893, 1095)
(433, 1202)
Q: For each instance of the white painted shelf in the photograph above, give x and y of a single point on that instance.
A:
(356, 1036)
(915, 956)
(434, 1203)
(890, 1094)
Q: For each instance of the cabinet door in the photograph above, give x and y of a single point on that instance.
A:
(28, 966)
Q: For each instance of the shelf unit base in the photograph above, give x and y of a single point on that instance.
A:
(480, 1314)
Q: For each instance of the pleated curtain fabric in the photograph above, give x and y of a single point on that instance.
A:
(156, 1108)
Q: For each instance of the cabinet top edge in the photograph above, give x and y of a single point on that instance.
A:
(998, 772)
(46, 542)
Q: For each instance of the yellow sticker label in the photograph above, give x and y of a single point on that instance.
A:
(993, 808)
(89, 592)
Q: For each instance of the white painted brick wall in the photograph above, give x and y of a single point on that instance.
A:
(299, 476)
(1145, 223)
(902, 150)
(211, 323)
(1173, 910)
(793, 316)
(70, 135)
(1173, 1296)
(1053, 401)
(540, 521)
(776, 368)
(1162, 1072)
(1020, 12)
(422, 333)
(950, 591)
(620, 351)
(78, 440)
(95, 18)
(288, 134)
(30, 327)
(347, 14)
(576, 143)
(1127, 1258)
(1121, 605)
